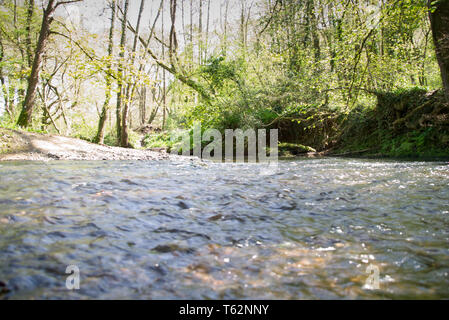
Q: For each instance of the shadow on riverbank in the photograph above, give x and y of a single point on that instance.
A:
(20, 145)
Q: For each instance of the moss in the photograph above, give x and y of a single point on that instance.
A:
(293, 149)
(381, 130)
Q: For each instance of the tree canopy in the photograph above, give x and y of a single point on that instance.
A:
(287, 64)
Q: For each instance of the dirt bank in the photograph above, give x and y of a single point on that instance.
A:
(19, 145)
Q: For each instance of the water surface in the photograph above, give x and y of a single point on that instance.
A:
(167, 230)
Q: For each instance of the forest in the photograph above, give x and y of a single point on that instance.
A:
(364, 77)
(348, 201)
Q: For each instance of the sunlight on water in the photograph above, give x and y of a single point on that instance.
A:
(186, 230)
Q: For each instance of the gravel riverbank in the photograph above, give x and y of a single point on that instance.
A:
(19, 145)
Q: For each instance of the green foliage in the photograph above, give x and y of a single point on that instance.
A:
(161, 140)
(219, 70)
(397, 102)
(314, 73)
(420, 143)
(371, 129)
(5, 122)
(84, 132)
(110, 138)
(134, 139)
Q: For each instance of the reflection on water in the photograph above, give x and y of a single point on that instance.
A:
(151, 230)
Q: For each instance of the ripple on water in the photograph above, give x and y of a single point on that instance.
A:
(181, 230)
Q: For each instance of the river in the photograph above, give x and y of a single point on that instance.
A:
(314, 229)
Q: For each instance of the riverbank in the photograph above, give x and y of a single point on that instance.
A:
(30, 146)
(412, 123)
(408, 123)
(404, 124)
(21, 145)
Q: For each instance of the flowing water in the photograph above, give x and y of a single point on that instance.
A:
(186, 230)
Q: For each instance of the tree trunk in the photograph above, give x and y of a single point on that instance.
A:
(164, 87)
(183, 23)
(29, 49)
(314, 30)
(439, 20)
(207, 29)
(191, 23)
(120, 73)
(143, 105)
(3, 82)
(242, 25)
(104, 113)
(225, 36)
(124, 142)
(28, 105)
(200, 33)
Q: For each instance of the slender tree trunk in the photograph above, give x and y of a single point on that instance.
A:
(200, 35)
(18, 37)
(242, 24)
(191, 52)
(120, 74)
(173, 42)
(225, 47)
(146, 45)
(28, 105)
(439, 20)
(104, 113)
(164, 86)
(143, 105)
(191, 23)
(29, 49)
(15, 14)
(124, 137)
(314, 30)
(155, 102)
(3, 82)
(207, 29)
(183, 23)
